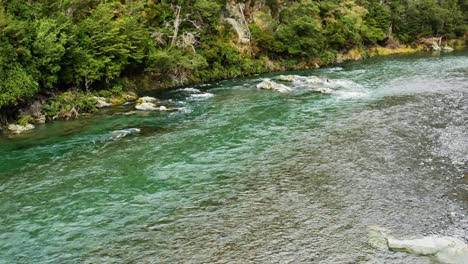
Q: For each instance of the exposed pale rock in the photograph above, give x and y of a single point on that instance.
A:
(147, 99)
(17, 129)
(445, 249)
(131, 96)
(162, 108)
(146, 103)
(287, 78)
(447, 48)
(435, 47)
(146, 106)
(271, 85)
(101, 102)
(40, 119)
(241, 30)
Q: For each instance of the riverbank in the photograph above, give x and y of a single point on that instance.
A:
(72, 104)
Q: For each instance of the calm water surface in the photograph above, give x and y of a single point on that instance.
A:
(239, 175)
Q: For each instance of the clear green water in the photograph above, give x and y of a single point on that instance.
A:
(248, 176)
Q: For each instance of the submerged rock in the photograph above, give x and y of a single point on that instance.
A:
(271, 85)
(445, 249)
(124, 132)
(323, 90)
(17, 129)
(287, 78)
(315, 79)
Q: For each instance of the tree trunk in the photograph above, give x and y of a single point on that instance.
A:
(177, 22)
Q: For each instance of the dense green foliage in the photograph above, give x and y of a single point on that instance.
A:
(92, 45)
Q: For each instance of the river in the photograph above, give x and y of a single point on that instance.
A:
(239, 175)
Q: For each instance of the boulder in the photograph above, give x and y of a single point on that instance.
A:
(101, 102)
(17, 129)
(287, 78)
(271, 85)
(40, 120)
(131, 96)
(147, 99)
(435, 46)
(447, 48)
(162, 108)
(145, 106)
(443, 249)
(146, 103)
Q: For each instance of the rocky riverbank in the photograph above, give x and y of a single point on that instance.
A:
(72, 104)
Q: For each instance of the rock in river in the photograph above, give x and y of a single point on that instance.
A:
(101, 102)
(287, 78)
(146, 107)
(444, 249)
(324, 90)
(271, 85)
(447, 48)
(147, 99)
(17, 129)
(146, 103)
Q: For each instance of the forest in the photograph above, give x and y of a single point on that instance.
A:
(69, 49)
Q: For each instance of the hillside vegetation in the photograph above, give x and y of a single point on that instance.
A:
(48, 47)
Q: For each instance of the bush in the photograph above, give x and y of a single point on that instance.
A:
(67, 103)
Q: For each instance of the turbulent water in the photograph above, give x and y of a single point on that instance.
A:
(239, 175)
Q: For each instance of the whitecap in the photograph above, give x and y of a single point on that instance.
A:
(341, 83)
(334, 69)
(190, 90)
(202, 95)
(351, 95)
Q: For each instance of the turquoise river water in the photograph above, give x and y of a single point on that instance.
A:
(239, 175)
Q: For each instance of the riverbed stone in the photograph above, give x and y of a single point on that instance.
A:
(17, 129)
(447, 48)
(41, 119)
(101, 102)
(271, 85)
(287, 78)
(146, 106)
(448, 250)
(324, 90)
(147, 99)
(435, 46)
